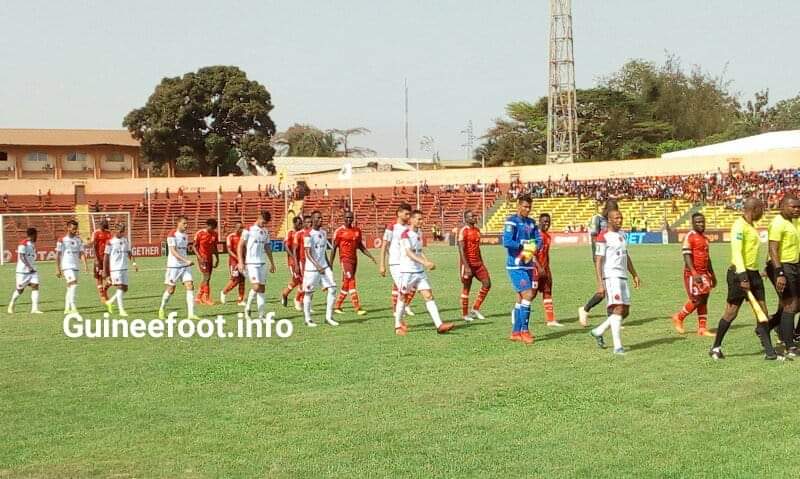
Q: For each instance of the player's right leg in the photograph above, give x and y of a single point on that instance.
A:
(466, 285)
(310, 281)
(522, 282)
(71, 277)
(424, 288)
(170, 280)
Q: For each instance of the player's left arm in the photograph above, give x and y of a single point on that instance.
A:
(83, 259)
(132, 259)
(363, 248)
(215, 251)
(268, 247)
(636, 280)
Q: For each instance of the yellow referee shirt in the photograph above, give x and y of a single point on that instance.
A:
(744, 246)
(787, 234)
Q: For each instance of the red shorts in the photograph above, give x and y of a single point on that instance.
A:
(98, 268)
(545, 282)
(205, 265)
(696, 290)
(479, 272)
(349, 269)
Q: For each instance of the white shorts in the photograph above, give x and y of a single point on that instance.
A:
(174, 276)
(70, 275)
(119, 277)
(617, 291)
(312, 279)
(24, 279)
(257, 273)
(394, 270)
(413, 282)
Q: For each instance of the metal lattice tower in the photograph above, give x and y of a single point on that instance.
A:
(562, 116)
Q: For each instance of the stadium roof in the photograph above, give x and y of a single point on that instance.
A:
(311, 165)
(776, 140)
(59, 137)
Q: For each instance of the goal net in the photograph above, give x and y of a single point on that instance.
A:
(52, 226)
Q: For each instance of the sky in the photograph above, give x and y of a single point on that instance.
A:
(342, 64)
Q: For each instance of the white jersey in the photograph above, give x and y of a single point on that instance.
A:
(70, 248)
(117, 250)
(613, 247)
(410, 239)
(180, 241)
(392, 234)
(317, 243)
(26, 250)
(255, 240)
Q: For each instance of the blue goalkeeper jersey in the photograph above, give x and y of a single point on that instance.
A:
(516, 233)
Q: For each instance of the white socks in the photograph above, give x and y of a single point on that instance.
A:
(614, 322)
(14, 297)
(35, 300)
(165, 299)
(69, 298)
(616, 330)
(399, 309)
(260, 303)
(307, 306)
(434, 312)
(250, 297)
(190, 302)
(329, 304)
(118, 298)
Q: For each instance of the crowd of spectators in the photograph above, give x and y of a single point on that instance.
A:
(729, 189)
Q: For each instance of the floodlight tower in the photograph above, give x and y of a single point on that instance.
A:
(562, 115)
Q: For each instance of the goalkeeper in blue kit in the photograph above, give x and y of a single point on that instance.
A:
(521, 238)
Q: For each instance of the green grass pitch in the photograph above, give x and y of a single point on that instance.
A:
(356, 401)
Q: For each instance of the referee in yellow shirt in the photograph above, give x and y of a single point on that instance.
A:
(743, 276)
(783, 269)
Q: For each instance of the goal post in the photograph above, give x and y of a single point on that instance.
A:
(51, 227)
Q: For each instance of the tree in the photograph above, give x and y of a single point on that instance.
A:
(306, 140)
(785, 115)
(344, 135)
(206, 120)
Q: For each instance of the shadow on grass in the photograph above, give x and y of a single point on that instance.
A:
(657, 342)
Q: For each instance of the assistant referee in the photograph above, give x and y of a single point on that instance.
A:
(743, 276)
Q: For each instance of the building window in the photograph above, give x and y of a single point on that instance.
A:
(37, 156)
(3, 156)
(75, 156)
(115, 157)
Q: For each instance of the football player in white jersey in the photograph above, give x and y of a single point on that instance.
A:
(391, 243)
(179, 268)
(413, 276)
(612, 265)
(255, 247)
(69, 250)
(26, 272)
(115, 266)
(318, 270)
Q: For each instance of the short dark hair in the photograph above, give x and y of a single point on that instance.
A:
(787, 198)
(464, 215)
(403, 207)
(696, 214)
(316, 212)
(72, 223)
(120, 226)
(104, 223)
(297, 220)
(543, 215)
(265, 215)
(181, 218)
(526, 199)
(30, 231)
(211, 223)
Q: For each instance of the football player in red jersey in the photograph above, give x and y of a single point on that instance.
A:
(472, 266)
(348, 240)
(205, 245)
(543, 271)
(295, 271)
(98, 243)
(698, 277)
(236, 279)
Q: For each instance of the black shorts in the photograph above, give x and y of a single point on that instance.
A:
(736, 295)
(792, 273)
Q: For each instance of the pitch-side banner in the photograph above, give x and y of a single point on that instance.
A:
(48, 253)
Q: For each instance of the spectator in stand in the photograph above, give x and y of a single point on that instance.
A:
(259, 190)
(39, 196)
(325, 192)
(198, 192)
(155, 194)
(5, 200)
(167, 192)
